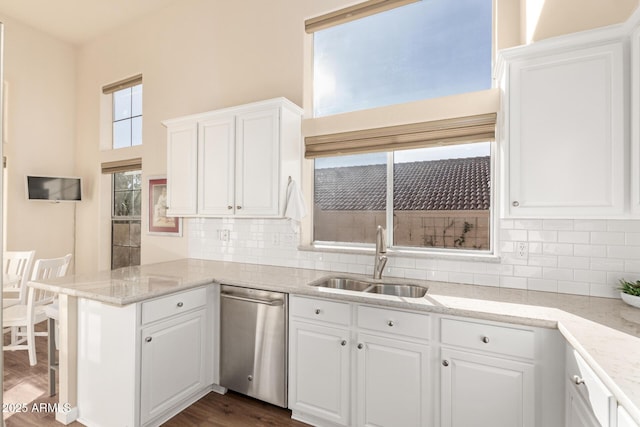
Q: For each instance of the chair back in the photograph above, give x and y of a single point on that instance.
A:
(18, 264)
(46, 269)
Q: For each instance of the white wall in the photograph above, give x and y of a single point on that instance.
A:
(195, 56)
(41, 77)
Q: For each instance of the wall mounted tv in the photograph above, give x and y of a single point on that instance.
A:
(54, 188)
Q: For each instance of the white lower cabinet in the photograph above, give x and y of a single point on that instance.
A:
(319, 359)
(333, 358)
(480, 390)
(589, 402)
(173, 362)
(140, 364)
(392, 382)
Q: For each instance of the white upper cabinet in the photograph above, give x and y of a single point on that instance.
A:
(635, 119)
(563, 137)
(182, 162)
(235, 161)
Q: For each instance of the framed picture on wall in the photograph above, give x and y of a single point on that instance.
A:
(159, 222)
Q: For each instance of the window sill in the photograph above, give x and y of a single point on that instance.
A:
(408, 253)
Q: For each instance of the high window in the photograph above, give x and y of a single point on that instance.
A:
(427, 49)
(126, 110)
(428, 183)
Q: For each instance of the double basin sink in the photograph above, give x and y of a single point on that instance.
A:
(373, 287)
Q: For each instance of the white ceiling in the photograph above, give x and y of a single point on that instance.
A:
(78, 21)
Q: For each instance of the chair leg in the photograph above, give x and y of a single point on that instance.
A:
(31, 345)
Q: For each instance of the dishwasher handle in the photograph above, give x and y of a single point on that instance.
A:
(271, 302)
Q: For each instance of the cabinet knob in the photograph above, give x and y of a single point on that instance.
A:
(485, 340)
(180, 304)
(390, 323)
(515, 204)
(250, 378)
(317, 311)
(229, 207)
(238, 207)
(148, 339)
(360, 346)
(445, 363)
(343, 343)
(577, 380)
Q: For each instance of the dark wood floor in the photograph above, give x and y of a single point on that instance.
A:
(27, 385)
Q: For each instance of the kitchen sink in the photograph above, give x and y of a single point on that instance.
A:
(345, 283)
(373, 287)
(409, 291)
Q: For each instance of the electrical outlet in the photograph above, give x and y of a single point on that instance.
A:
(223, 235)
(522, 250)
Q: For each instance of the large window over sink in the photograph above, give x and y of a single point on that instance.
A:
(426, 198)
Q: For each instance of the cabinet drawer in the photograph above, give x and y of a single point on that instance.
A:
(587, 384)
(394, 322)
(320, 309)
(173, 304)
(497, 339)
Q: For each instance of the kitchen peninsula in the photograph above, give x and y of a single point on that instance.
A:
(603, 332)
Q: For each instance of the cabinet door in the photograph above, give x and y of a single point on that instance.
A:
(257, 163)
(484, 391)
(319, 371)
(566, 134)
(173, 358)
(182, 169)
(635, 121)
(392, 383)
(578, 413)
(216, 166)
(624, 419)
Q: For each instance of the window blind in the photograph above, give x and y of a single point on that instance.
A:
(122, 84)
(352, 13)
(416, 135)
(122, 166)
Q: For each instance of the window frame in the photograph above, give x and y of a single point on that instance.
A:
(389, 221)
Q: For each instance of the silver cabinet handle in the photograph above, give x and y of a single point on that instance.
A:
(250, 377)
(148, 339)
(390, 323)
(445, 363)
(317, 311)
(577, 380)
(360, 346)
(229, 207)
(515, 204)
(180, 304)
(238, 207)
(485, 340)
(343, 343)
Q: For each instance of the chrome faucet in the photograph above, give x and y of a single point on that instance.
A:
(381, 249)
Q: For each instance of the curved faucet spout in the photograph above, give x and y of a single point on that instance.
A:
(381, 248)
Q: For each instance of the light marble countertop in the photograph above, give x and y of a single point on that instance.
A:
(606, 332)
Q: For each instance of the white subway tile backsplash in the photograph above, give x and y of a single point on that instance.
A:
(590, 250)
(557, 224)
(543, 236)
(569, 256)
(607, 238)
(573, 237)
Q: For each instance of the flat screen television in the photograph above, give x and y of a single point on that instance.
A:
(54, 188)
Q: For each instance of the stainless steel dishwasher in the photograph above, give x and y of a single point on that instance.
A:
(253, 343)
